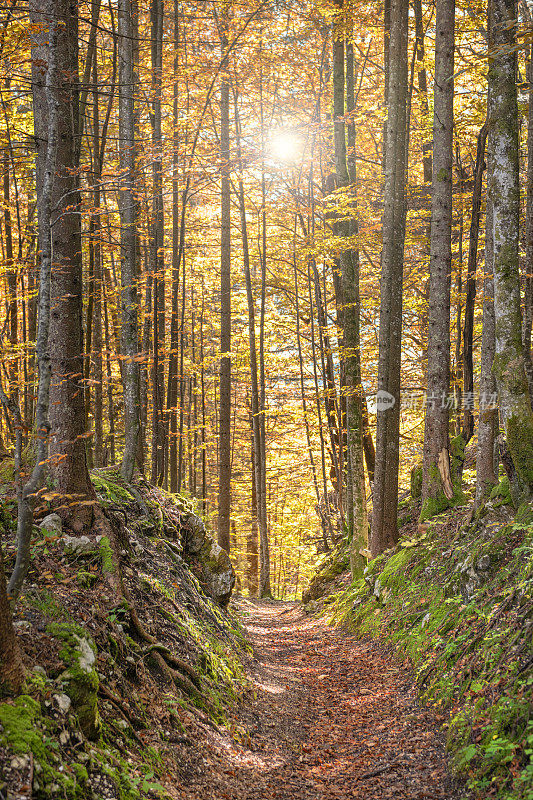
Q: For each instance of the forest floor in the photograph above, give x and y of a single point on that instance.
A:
(330, 717)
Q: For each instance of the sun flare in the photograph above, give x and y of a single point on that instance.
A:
(285, 147)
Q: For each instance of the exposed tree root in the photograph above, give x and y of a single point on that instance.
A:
(181, 674)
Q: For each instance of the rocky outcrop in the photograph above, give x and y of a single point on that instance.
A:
(208, 561)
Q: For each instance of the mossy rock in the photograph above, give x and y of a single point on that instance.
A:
(210, 563)
(335, 563)
(80, 680)
(416, 481)
(31, 736)
(501, 493)
(109, 488)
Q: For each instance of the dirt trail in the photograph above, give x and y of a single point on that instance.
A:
(334, 718)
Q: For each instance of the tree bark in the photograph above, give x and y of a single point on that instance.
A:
(46, 110)
(157, 247)
(224, 478)
(487, 430)
(12, 671)
(129, 337)
(504, 193)
(528, 288)
(356, 515)
(436, 491)
(67, 411)
(384, 516)
(468, 329)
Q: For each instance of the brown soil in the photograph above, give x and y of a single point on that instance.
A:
(333, 717)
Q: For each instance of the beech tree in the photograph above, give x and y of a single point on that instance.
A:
(129, 342)
(504, 194)
(67, 413)
(224, 443)
(385, 496)
(349, 263)
(437, 486)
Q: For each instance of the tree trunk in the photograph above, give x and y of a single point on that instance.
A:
(224, 476)
(129, 337)
(487, 430)
(528, 288)
(468, 330)
(437, 489)
(384, 516)
(504, 192)
(97, 280)
(46, 111)
(11, 668)
(252, 541)
(157, 247)
(67, 411)
(357, 522)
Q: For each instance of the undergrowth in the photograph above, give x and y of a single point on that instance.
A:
(459, 602)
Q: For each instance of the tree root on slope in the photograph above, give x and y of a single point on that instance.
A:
(176, 671)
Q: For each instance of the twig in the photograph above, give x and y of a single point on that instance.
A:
(378, 771)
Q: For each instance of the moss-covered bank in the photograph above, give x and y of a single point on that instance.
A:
(129, 657)
(458, 600)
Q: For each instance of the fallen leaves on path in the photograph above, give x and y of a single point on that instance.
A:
(334, 718)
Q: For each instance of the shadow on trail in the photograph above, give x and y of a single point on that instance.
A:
(334, 717)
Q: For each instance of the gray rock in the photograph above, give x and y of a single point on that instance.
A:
(207, 560)
(483, 563)
(63, 702)
(20, 762)
(78, 545)
(52, 523)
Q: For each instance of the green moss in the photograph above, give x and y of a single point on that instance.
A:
(501, 493)
(519, 434)
(25, 731)
(106, 556)
(80, 679)
(462, 649)
(86, 579)
(394, 572)
(416, 481)
(108, 487)
(18, 721)
(7, 470)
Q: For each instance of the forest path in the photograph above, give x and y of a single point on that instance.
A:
(334, 718)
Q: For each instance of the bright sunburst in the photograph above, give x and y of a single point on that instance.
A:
(285, 146)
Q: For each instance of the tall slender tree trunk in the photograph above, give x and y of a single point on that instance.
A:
(437, 488)
(172, 389)
(97, 280)
(488, 413)
(504, 193)
(46, 110)
(11, 280)
(384, 516)
(67, 411)
(357, 522)
(423, 92)
(468, 329)
(528, 288)
(252, 540)
(224, 475)
(257, 516)
(129, 337)
(264, 546)
(157, 247)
